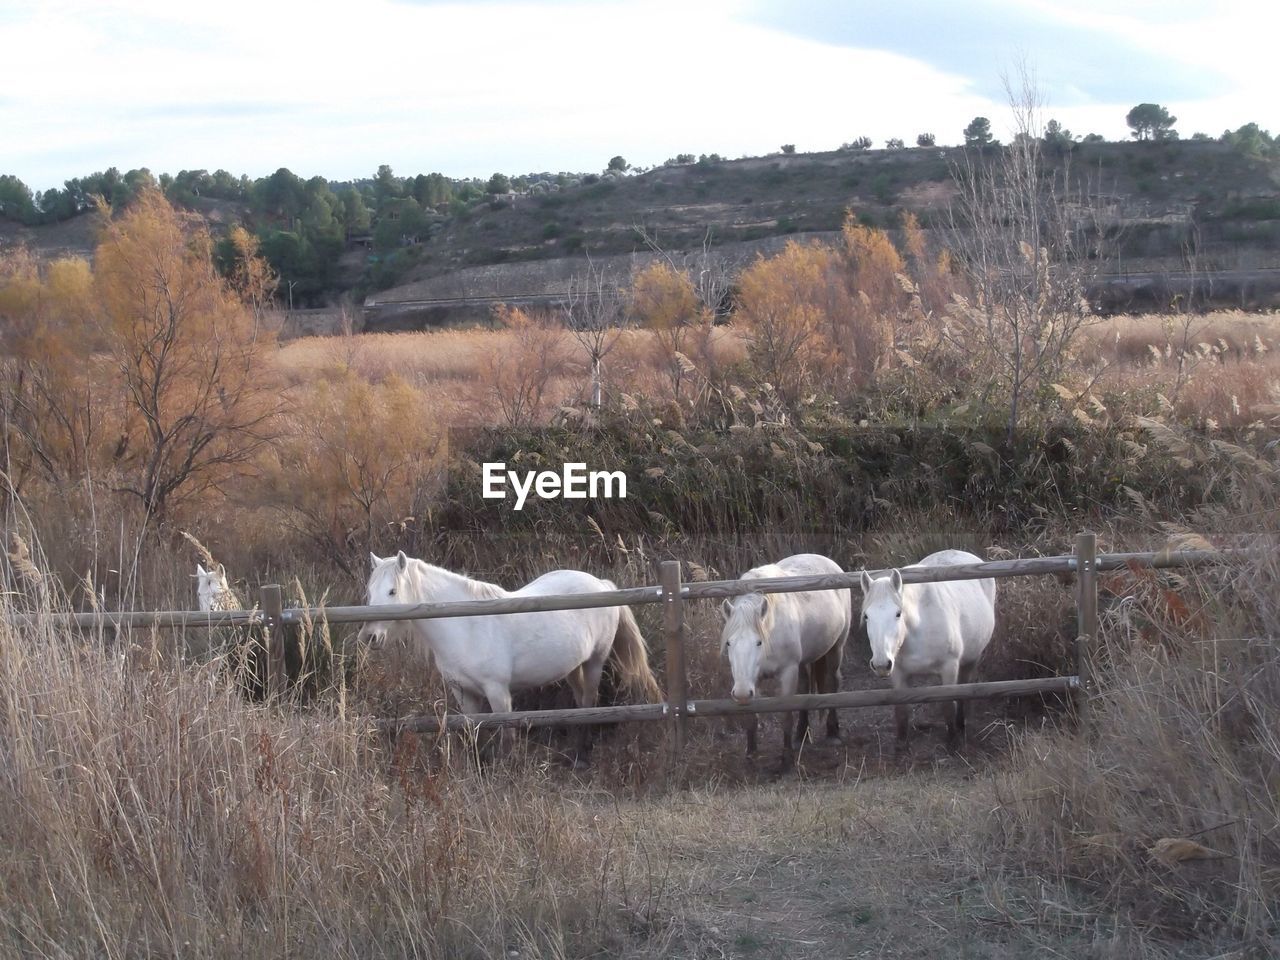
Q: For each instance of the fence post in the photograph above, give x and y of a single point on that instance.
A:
(273, 612)
(1086, 619)
(673, 629)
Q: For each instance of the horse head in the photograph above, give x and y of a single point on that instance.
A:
(390, 582)
(882, 616)
(748, 622)
(211, 585)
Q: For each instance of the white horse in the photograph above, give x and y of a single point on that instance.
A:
(485, 658)
(797, 637)
(213, 591)
(243, 649)
(924, 628)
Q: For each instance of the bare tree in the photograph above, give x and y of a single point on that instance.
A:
(1025, 235)
(594, 313)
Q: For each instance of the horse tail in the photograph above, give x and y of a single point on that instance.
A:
(632, 655)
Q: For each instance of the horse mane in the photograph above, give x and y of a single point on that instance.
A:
(756, 602)
(228, 600)
(484, 591)
(476, 589)
(909, 599)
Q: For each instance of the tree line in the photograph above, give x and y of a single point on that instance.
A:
(302, 225)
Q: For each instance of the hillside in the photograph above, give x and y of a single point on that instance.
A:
(1147, 184)
(1160, 200)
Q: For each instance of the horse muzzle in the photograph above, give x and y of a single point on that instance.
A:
(742, 699)
(372, 638)
(882, 670)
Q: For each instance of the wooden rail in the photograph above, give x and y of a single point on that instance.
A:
(163, 619)
(730, 708)
(709, 590)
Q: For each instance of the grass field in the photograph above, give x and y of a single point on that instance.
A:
(1222, 366)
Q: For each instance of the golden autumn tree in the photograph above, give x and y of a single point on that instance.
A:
(188, 352)
(248, 272)
(788, 304)
(55, 410)
(364, 449)
(664, 300)
(930, 274)
(875, 273)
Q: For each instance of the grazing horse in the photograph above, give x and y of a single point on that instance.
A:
(485, 658)
(924, 628)
(797, 637)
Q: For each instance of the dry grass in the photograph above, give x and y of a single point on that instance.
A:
(1219, 370)
(454, 373)
(1170, 812)
(150, 811)
(457, 355)
(1129, 338)
(144, 804)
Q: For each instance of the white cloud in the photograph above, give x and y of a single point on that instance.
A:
(336, 88)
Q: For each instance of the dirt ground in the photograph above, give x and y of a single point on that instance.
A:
(852, 854)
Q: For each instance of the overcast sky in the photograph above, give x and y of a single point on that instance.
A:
(336, 88)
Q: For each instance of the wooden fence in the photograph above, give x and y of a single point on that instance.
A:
(1085, 564)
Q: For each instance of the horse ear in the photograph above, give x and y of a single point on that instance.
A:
(374, 560)
(896, 579)
(222, 571)
(402, 560)
(866, 581)
(764, 605)
(200, 571)
(726, 608)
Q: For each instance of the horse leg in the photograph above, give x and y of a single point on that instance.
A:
(499, 698)
(965, 676)
(472, 702)
(788, 682)
(590, 694)
(577, 683)
(950, 673)
(806, 684)
(831, 684)
(752, 723)
(901, 711)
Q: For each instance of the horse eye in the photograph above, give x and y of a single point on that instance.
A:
(391, 592)
(759, 643)
(898, 615)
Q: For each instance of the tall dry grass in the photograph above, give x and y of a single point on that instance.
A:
(1219, 370)
(1165, 815)
(150, 811)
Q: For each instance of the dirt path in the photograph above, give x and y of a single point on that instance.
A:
(822, 870)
